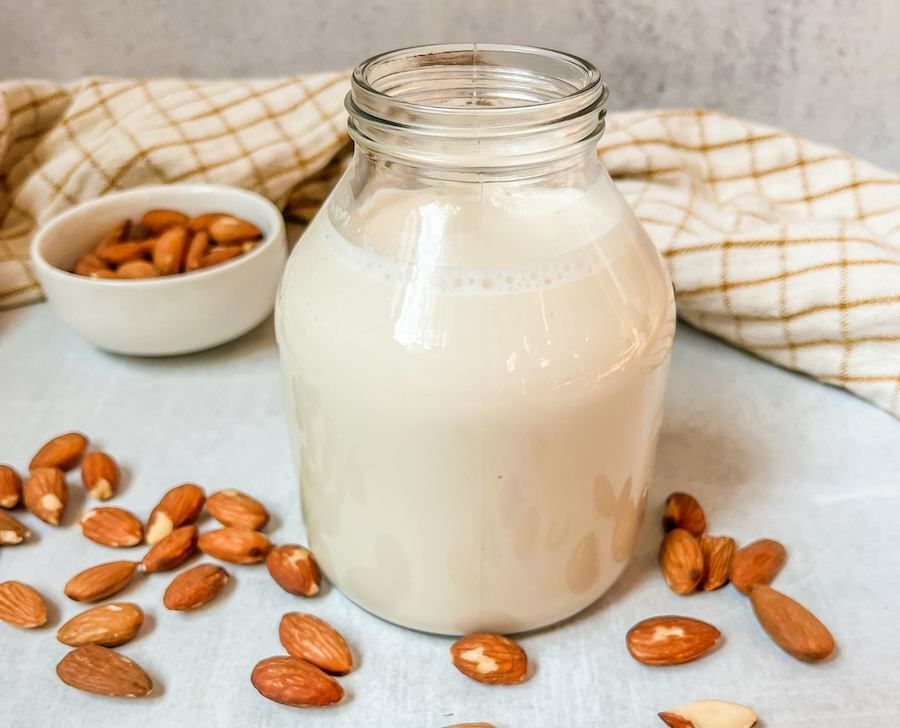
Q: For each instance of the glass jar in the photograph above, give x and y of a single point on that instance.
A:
(474, 336)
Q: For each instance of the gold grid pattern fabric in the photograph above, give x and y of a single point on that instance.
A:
(785, 248)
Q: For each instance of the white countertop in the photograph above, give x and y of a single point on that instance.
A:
(767, 452)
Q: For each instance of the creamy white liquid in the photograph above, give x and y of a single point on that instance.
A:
(474, 384)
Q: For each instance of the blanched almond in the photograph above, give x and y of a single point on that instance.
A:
(108, 625)
(233, 508)
(670, 640)
(61, 452)
(295, 569)
(489, 658)
(10, 487)
(179, 506)
(681, 561)
(172, 551)
(101, 581)
(195, 587)
(46, 494)
(114, 527)
(710, 714)
(100, 475)
(295, 682)
(237, 545)
(21, 605)
(103, 671)
(12, 532)
(314, 640)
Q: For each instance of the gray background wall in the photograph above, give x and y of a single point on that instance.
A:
(829, 69)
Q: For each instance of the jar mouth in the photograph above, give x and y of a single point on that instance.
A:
(460, 92)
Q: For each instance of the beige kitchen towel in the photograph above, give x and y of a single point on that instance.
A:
(786, 248)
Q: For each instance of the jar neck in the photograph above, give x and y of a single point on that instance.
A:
(477, 109)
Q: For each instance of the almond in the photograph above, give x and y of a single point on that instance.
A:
(172, 551)
(681, 561)
(226, 230)
(195, 587)
(11, 530)
(46, 494)
(202, 222)
(134, 269)
(471, 725)
(220, 254)
(489, 658)
(314, 640)
(196, 250)
(718, 551)
(108, 625)
(158, 221)
(233, 508)
(791, 626)
(100, 475)
(10, 487)
(21, 606)
(98, 582)
(118, 234)
(295, 682)
(683, 511)
(90, 264)
(121, 253)
(670, 640)
(295, 569)
(103, 671)
(757, 563)
(710, 714)
(169, 250)
(112, 527)
(237, 545)
(61, 452)
(179, 506)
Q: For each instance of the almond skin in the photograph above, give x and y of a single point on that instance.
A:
(314, 640)
(101, 581)
(718, 552)
(670, 640)
(172, 551)
(46, 494)
(233, 508)
(227, 230)
(21, 606)
(10, 487)
(108, 625)
(791, 626)
(683, 511)
(710, 714)
(179, 506)
(103, 671)
(100, 475)
(237, 545)
(757, 563)
(61, 452)
(295, 569)
(195, 587)
(295, 682)
(114, 527)
(158, 221)
(169, 250)
(12, 532)
(489, 658)
(673, 720)
(681, 561)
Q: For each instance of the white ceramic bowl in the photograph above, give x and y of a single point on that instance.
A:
(171, 314)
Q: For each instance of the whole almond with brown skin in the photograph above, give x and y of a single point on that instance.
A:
(791, 626)
(673, 720)
(90, 264)
(233, 508)
(100, 475)
(295, 682)
(62, 452)
(114, 527)
(237, 545)
(295, 569)
(118, 234)
(710, 714)
(757, 563)
(46, 494)
(103, 671)
(10, 487)
(681, 561)
(169, 250)
(226, 230)
(718, 552)
(21, 605)
(670, 640)
(136, 269)
(220, 254)
(158, 221)
(683, 511)
(489, 658)
(172, 551)
(121, 253)
(12, 531)
(179, 506)
(195, 587)
(108, 625)
(101, 581)
(314, 640)
(202, 222)
(196, 250)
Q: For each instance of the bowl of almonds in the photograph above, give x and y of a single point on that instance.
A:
(163, 269)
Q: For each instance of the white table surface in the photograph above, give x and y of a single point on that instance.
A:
(768, 453)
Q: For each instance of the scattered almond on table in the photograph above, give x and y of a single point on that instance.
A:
(168, 242)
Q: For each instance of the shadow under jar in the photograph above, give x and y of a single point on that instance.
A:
(474, 336)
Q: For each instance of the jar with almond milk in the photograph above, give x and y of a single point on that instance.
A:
(474, 336)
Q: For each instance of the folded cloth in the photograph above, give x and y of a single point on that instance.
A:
(788, 249)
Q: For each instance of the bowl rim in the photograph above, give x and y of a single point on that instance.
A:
(276, 233)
